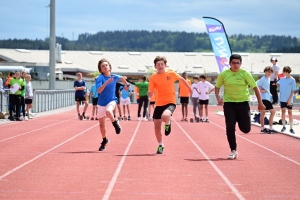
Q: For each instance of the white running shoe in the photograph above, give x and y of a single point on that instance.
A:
(26, 118)
(139, 118)
(145, 119)
(233, 155)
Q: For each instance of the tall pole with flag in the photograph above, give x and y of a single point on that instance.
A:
(219, 41)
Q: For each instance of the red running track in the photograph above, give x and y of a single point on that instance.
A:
(57, 157)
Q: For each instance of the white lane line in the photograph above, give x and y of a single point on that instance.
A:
(35, 130)
(118, 170)
(226, 180)
(266, 148)
(42, 154)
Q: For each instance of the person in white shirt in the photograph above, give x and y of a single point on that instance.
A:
(204, 89)
(195, 97)
(273, 80)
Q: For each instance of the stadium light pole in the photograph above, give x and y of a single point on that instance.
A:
(52, 41)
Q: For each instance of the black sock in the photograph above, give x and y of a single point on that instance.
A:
(104, 139)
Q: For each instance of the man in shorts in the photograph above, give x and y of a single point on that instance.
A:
(264, 87)
(80, 86)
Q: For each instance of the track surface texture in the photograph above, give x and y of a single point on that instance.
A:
(56, 157)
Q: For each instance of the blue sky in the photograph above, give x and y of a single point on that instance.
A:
(30, 18)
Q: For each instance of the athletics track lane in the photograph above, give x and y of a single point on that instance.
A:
(75, 169)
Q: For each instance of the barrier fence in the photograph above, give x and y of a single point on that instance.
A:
(44, 100)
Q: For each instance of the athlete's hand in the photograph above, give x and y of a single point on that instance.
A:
(261, 106)
(220, 102)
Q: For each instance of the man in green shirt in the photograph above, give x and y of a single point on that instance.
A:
(15, 97)
(236, 99)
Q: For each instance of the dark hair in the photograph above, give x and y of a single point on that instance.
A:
(196, 77)
(268, 68)
(183, 73)
(102, 61)
(203, 76)
(235, 56)
(144, 78)
(11, 73)
(287, 69)
(160, 58)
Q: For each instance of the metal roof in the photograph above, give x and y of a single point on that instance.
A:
(140, 62)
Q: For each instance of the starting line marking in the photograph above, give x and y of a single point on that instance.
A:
(120, 165)
(226, 180)
(42, 154)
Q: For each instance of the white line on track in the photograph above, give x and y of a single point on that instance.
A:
(35, 130)
(42, 154)
(120, 165)
(266, 148)
(226, 180)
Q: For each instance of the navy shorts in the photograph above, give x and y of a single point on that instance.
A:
(284, 105)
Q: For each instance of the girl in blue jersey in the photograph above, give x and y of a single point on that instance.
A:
(106, 86)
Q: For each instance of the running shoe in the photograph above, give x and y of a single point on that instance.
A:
(233, 155)
(83, 117)
(201, 120)
(139, 118)
(264, 130)
(92, 118)
(144, 119)
(168, 129)
(26, 118)
(103, 144)
(273, 131)
(206, 121)
(182, 119)
(292, 131)
(283, 129)
(129, 118)
(160, 149)
(186, 119)
(18, 119)
(117, 126)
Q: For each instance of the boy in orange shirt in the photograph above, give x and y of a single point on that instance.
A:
(163, 83)
(184, 95)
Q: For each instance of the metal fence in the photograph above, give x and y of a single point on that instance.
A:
(44, 100)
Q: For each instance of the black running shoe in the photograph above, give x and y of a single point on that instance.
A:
(264, 130)
(168, 129)
(129, 118)
(273, 131)
(117, 126)
(292, 131)
(160, 149)
(83, 117)
(103, 144)
(201, 120)
(283, 129)
(206, 121)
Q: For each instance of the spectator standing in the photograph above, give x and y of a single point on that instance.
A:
(273, 80)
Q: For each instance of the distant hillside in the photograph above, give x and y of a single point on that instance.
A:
(166, 41)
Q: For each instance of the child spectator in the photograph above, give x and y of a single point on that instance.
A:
(80, 87)
(125, 99)
(195, 96)
(204, 89)
(184, 95)
(94, 95)
(287, 88)
(28, 97)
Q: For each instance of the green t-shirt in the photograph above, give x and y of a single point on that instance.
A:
(143, 88)
(235, 85)
(20, 82)
(24, 90)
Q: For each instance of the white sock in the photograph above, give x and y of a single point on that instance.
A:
(271, 127)
(283, 123)
(291, 125)
(161, 143)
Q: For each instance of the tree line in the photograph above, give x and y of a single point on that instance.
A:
(166, 41)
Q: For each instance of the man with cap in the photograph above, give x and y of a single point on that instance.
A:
(273, 80)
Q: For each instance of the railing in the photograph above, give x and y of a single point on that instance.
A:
(44, 100)
(4, 100)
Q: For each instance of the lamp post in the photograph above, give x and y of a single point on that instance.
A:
(52, 41)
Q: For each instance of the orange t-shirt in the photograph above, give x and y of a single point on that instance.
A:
(184, 91)
(136, 93)
(163, 84)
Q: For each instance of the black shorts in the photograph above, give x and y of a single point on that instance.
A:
(95, 101)
(267, 104)
(184, 99)
(79, 99)
(137, 101)
(284, 105)
(203, 102)
(28, 101)
(152, 102)
(158, 111)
